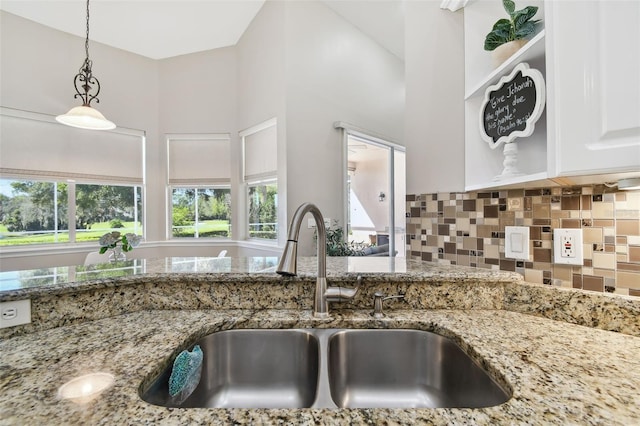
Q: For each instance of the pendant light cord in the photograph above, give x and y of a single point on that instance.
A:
(86, 41)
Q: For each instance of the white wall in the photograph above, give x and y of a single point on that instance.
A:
(261, 91)
(367, 182)
(434, 109)
(334, 73)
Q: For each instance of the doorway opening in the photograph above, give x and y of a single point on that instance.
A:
(375, 192)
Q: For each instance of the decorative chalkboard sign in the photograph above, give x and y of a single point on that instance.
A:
(512, 106)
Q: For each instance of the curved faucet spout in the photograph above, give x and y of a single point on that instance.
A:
(288, 261)
(287, 266)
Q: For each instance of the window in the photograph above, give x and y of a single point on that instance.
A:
(260, 166)
(263, 210)
(30, 212)
(201, 212)
(199, 185)
(104, 208)
(37, 212)
(64, 185)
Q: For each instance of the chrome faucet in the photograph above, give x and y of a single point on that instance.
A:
(288, 262)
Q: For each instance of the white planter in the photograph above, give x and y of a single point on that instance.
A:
(504, 51)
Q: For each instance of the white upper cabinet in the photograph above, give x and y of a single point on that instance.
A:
(589, 55)
(593, 69)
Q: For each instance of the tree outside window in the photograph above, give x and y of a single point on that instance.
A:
(263, 211)
(36, 212)
(201, 212)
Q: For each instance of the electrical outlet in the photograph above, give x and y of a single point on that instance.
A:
(567, 245)
(14, 313)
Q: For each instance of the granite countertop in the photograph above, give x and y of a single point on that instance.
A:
(559, 373)
(68, 279)
(133, 325)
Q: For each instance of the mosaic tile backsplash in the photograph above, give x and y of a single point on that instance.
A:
(468, 229)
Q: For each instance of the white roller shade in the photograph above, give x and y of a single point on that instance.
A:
(260, 152)
(35, 145)
(199, 159)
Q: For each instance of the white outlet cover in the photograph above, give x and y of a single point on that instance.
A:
(516, 242)
(558, 235)
(14, 313)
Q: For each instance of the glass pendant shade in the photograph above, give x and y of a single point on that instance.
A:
(85, 117)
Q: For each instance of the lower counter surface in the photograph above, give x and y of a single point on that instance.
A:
(559, 373)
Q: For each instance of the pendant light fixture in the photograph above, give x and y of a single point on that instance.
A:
(86, 117)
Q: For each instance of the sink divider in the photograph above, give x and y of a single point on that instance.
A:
(323, 392)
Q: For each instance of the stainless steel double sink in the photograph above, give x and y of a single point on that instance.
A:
(333, 368)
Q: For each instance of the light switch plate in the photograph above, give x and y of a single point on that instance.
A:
(14, 313)
(516, 242)
(567, 246)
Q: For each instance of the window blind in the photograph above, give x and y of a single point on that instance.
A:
(260, 151)
(34, 145)
(199, 159)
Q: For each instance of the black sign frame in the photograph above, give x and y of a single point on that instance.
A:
(511, 107)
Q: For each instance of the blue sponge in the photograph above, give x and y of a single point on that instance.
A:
(186, 372)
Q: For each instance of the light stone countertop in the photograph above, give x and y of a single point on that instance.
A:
(132, 326)
(69, 279)
(560, 373)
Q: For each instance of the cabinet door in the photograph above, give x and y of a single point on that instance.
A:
(593, 75)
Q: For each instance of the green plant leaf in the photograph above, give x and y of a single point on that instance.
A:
(495, 39)
(502, 24)
(103, 250)
(509, 6)
(500, 34)
(522, 16)
(526, 30)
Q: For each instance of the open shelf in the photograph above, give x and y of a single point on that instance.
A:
(533, 50)
(482, 163)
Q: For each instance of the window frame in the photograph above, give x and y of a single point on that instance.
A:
(172, 237)
(263, 178)
(71, 208)
(195, 183)
(73, 177)
(255, 183)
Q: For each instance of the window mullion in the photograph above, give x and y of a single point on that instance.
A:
(195, 208)
(71, 210)
(55, 212)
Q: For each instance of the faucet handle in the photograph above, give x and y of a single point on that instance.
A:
(378, 298)
(341, 294)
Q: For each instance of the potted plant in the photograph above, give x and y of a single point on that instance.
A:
(336, 246)
(118, 244)
(509, 35)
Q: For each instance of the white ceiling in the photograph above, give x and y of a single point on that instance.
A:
(153, 28)
(164, 28)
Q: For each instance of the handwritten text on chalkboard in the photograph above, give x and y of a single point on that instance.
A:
(511, 108)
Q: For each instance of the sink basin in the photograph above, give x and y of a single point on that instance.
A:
(333, 368)
(406, 369)
(250, 369)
